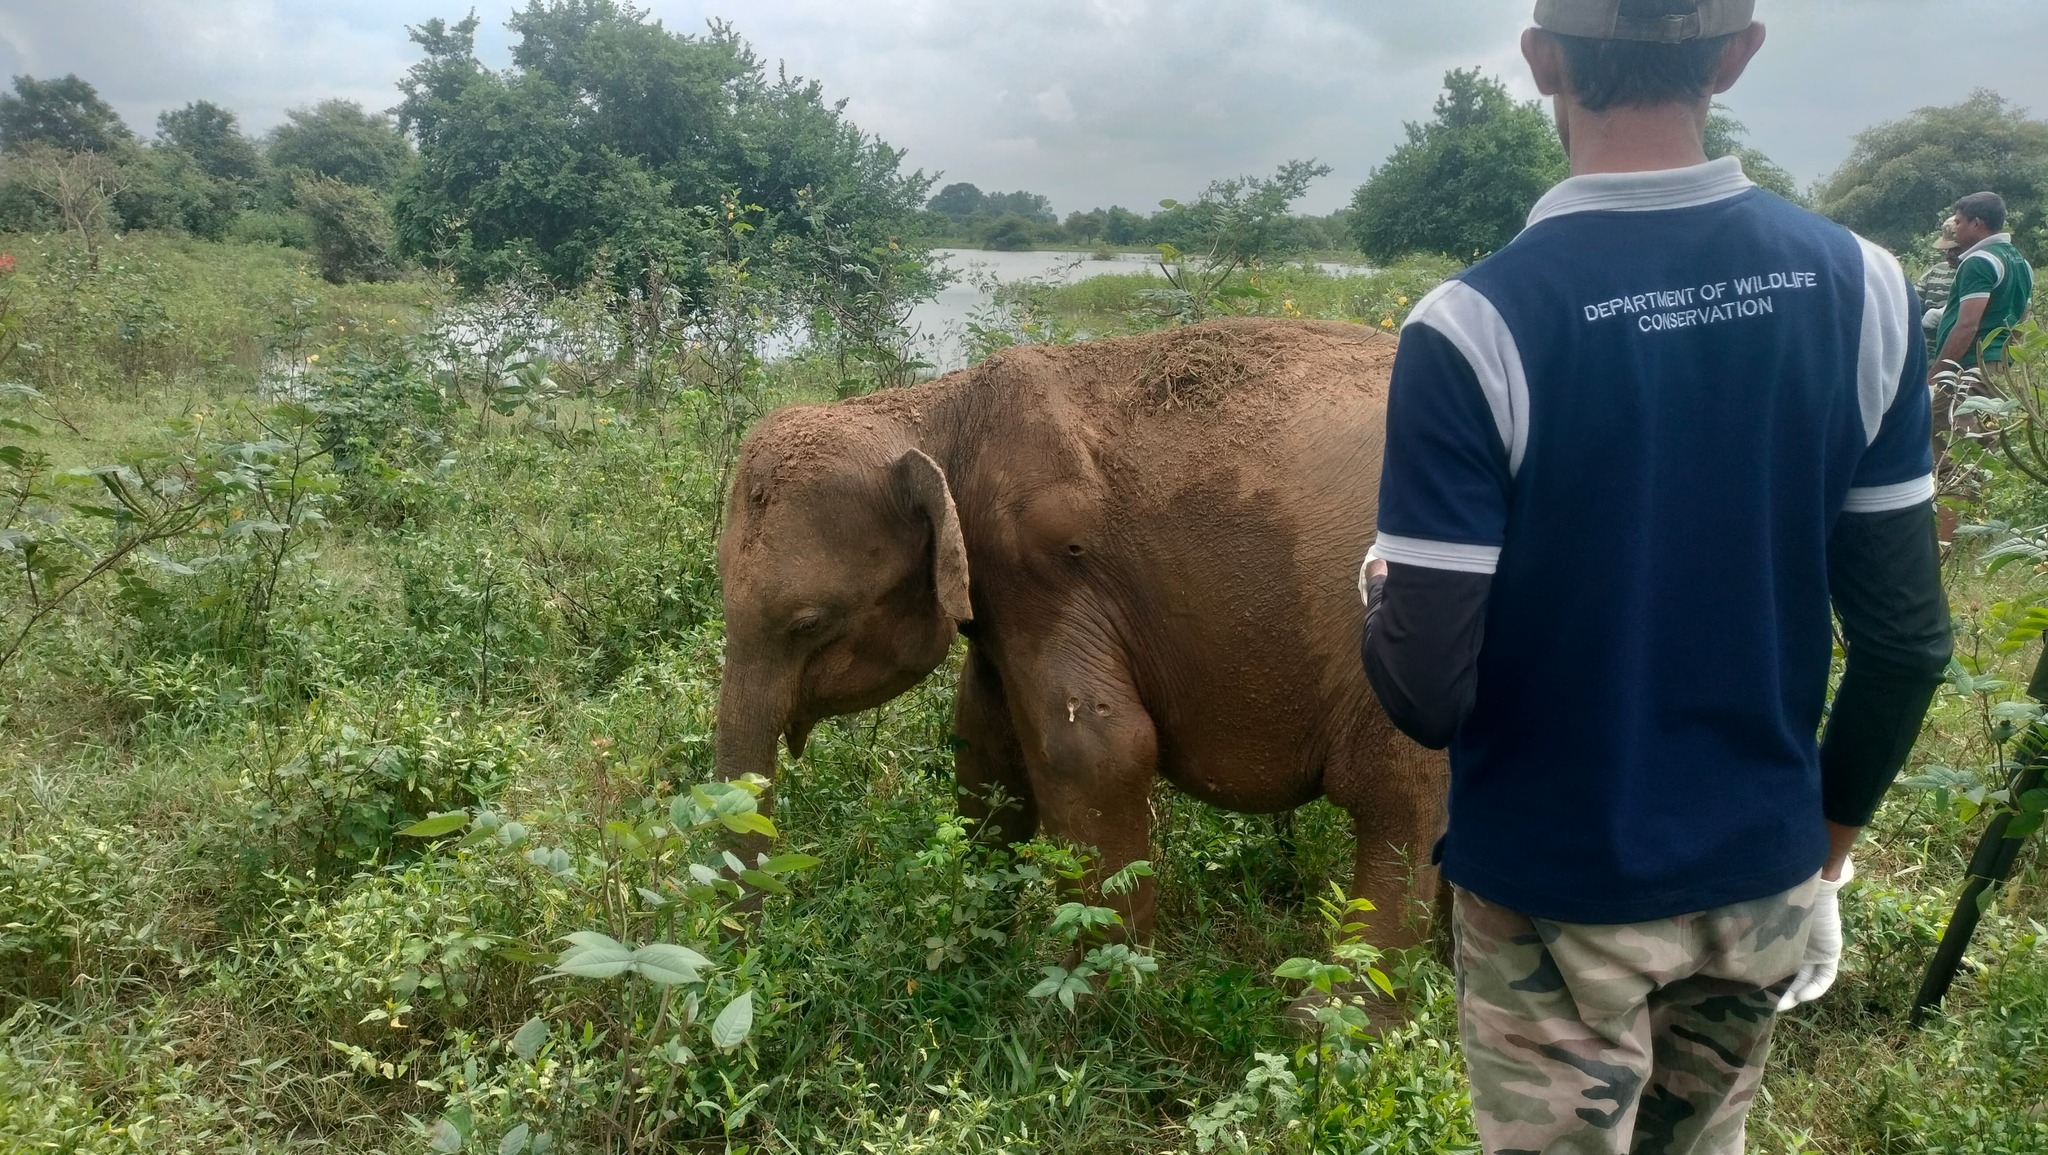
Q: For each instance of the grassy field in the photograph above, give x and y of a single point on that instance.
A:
(417, 583)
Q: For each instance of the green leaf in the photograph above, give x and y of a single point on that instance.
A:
(22, 426)
(1055, 977)
(1297, 969)
(1123, 881)
(790, 863)
(593, 956)
(749, 822)
(167, 565)
(734, 1023)
(1076, 984)
(528, 1039)
(438, 825)
(444, 1137)
(515, 1140)
(250, 526)
(665, 964)
(760, 880)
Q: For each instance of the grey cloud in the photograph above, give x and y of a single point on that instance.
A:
(1088, 101)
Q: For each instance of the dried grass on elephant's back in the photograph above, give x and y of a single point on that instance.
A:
(1198, 368)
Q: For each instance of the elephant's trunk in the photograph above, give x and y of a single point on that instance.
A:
(753, 710)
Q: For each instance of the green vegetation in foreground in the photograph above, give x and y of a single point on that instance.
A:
(214, 935)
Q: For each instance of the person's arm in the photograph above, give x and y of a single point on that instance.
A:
(1976, 277)
(1884, 575)
(1444, 483)
(1962, 338)
(1423, 629)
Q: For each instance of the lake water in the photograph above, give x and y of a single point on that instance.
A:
(939, 325)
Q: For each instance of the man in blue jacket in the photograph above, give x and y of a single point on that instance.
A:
(1632, 460)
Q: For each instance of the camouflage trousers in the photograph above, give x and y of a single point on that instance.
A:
(1646, 1037)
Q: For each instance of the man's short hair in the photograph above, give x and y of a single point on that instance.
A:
(1632, 73)
(1987, 207)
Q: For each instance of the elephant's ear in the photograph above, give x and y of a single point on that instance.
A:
(924, 483)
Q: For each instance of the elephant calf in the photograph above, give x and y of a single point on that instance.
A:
(1152, 546)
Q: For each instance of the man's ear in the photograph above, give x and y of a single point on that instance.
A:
(1546, 60)
(1742, 48)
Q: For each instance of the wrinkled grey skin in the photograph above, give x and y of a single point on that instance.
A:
(1154, 579)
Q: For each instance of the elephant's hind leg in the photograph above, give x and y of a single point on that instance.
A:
(988, 764)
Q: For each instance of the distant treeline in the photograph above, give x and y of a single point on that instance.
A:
(963, 215)
(612, 151)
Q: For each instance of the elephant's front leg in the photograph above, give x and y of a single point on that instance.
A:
(988, 765)
(1091, 752)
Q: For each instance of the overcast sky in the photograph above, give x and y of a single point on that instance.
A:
(1090, 102)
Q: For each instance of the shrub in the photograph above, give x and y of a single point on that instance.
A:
(351, 230)
(362, 763)
(1009, 234)
(264, 227)
(81, 904)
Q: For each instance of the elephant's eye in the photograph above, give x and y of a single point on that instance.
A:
(805, 624)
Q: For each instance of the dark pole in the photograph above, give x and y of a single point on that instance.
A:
(1993, 861)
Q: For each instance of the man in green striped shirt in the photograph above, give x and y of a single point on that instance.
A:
(1934, 284)
(1993, 287)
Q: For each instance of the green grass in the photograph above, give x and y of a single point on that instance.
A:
(211, 939)
(1115, 303)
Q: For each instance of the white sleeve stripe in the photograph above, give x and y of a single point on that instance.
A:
(1887, 330)
(1470, 323)
(1886, 498)
(1448, 555)
(1975, 297)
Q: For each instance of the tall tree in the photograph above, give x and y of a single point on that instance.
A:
(1727, 136)
(66, 114)
(336, 138)
(80, 186)
(608, 145)
(1241, 219)
(959, 201)
(1464, 182)
(209, 134)
(1029, 205)
(1902, 175)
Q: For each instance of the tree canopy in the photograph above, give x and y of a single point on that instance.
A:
(336, 138)
(1902, 176)
(66, 113)
(610, 143)
(1464, 182)
(959, 200)
(1727, 136)
(212, 137)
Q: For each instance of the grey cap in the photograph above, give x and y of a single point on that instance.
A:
(1602, 20)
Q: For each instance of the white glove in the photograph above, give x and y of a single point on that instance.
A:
(1823, 943)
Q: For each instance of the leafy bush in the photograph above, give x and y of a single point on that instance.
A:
(288, 230)
(351, 229)
(79, 905)
(332, 792)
